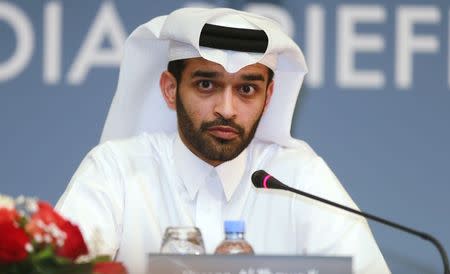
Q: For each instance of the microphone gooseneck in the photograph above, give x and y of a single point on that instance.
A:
(262, 179)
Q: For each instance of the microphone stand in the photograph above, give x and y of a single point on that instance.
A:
(423, 235)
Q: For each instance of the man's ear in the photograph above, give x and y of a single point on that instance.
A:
(269, 94)
(168, 85)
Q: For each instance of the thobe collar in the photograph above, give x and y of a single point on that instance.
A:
(194, 171)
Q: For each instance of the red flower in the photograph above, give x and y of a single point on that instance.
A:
(8, 215)
(109, 268)
(74, 244)
(70, 244)
(12, 245)
(47, 214)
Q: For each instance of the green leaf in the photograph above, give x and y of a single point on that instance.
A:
(62, 260)
(46, 262)
(43, 254)
(17, 268)
(22, 221)
(72, 268)
(101, 259)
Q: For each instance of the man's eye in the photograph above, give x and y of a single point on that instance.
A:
(247, 89)
(205, 84)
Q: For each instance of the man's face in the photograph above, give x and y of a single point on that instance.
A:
(218, 112)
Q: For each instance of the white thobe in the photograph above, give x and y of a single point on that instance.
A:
(129, 191)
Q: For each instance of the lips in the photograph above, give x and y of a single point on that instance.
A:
(223, 132)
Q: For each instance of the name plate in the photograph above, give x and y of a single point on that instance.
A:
(242, 264)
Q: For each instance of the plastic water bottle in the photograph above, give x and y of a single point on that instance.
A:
(234, 242)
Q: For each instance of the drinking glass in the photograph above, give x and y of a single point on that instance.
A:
(182, 240)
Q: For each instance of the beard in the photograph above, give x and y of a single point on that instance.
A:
(211, 147)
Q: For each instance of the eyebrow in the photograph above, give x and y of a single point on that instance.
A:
(216, 74)
(253, 77)
(206, 74)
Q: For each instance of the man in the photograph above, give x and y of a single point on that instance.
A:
(207, 97)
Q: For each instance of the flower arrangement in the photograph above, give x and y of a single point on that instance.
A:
(35, 239)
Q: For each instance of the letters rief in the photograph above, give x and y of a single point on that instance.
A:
(205, 98)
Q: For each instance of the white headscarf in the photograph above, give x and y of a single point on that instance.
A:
(138, 105)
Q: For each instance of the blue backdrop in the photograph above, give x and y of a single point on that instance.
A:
(375, 105)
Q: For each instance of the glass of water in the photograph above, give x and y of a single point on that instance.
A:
(182, 240)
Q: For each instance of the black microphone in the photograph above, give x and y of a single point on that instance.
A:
(262, 179)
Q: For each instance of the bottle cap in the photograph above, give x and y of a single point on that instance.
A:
(234, 226)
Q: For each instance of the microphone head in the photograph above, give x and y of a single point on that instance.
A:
(262, 179)
(258, 178)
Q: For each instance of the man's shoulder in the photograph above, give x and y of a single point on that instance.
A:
(296, 165)
(299, 151)
(140, 145)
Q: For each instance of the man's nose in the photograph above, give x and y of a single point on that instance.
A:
(226, 105)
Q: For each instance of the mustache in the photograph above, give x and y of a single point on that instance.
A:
(222, 122)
